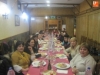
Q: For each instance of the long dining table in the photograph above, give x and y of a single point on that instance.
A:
(36, 70)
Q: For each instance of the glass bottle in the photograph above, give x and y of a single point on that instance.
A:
(49, 65)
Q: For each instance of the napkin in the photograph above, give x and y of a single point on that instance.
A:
(62, 71)
(63, 57)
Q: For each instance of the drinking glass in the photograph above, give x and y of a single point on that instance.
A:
(41, 69)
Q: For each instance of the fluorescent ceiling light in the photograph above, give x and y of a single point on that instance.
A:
(48, 1)
(46, 17)
(24, 16)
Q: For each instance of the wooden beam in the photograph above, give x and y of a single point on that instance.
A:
(89, 3)
(51, 15)
(52, 3)
(76, 8)
(73, 12)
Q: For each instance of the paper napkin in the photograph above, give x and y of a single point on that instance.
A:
(62, 71)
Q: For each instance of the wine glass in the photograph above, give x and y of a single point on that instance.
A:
(41, 69)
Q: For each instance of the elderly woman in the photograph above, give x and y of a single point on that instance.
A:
(82, 60)
(20, 59)
(73, 49)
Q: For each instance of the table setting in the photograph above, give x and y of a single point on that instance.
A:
(54, 63)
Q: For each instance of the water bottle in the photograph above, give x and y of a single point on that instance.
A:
(88, 71)
(11, 71)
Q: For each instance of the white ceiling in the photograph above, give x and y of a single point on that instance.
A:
(53, 3)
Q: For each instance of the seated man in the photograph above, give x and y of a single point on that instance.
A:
(65, 43)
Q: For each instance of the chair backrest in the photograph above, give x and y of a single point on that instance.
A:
(97, 69)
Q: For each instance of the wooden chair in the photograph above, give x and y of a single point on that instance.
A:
(83, 39)
(89, 41)
(97, 69)
(95, 51)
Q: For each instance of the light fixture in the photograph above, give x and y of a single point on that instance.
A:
(48, 1)
(24, 16)
(46, 17)
(4, 10)
(5, 16)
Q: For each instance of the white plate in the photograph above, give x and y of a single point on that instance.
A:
(43, 48)
(58, 65)
(58, 49)
(36, 63)
(61, 55)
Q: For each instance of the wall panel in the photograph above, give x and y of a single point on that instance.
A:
(50, 11)
(69, 22)
(37, 24)
(88, 25)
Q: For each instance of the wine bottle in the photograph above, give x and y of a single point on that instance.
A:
(49, 65)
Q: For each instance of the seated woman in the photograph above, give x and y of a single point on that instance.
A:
(20, 59)
(82, 60)
(5, 60)
(73, 49)
(36, 44)
(30, 48)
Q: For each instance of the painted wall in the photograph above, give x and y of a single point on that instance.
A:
(7, 26)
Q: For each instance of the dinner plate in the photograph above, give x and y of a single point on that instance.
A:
(43, 48)
(58, 48)
(37, 63)
(44, 42)
(61, 55)
(62, 65)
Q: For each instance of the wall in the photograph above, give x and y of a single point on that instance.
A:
(69, 22)
(40, 13)
(88, 24)
(83, 7)
(37, 24)
(7, 26)
(46, 11)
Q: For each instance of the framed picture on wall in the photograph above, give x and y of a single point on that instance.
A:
(17, 20)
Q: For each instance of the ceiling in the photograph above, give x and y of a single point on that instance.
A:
(52, 3)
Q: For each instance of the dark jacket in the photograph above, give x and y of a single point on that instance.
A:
(28, 51)
(61, 38)
(5, 63)
(36, 47)
(66, 44)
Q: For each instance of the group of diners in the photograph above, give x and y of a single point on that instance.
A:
(20, 60)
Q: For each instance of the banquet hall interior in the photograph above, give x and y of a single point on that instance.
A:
(19, 19)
